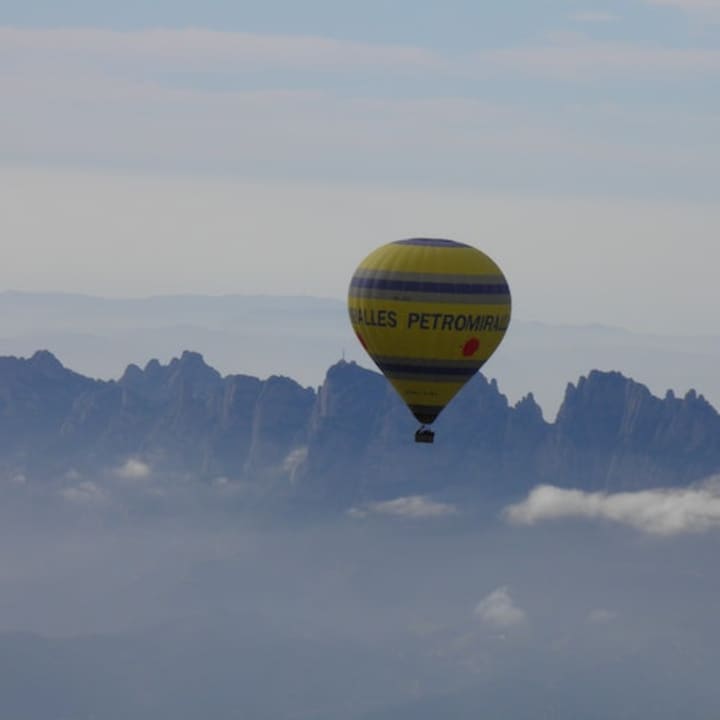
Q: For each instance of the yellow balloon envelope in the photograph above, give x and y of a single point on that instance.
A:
(430, 313)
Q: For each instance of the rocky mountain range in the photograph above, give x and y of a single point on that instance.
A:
(350, 440)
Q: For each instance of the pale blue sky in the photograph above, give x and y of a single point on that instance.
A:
(140, 142)
(449, 25)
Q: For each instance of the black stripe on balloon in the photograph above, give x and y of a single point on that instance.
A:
(425, 413)
(443, 371)
(430, 287)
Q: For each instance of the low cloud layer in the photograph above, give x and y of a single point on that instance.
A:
(499, 610)
(658, 512)
(411, 506)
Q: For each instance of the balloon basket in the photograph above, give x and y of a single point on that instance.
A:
(423, 435)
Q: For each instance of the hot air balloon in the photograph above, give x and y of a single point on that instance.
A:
(429, 312)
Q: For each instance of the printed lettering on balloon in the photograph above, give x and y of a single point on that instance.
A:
(373, 318)
(457, 323)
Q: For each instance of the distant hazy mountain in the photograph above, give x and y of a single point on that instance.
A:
(303, 336)
(349, 442)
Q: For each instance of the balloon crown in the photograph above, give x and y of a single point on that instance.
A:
(430, 242)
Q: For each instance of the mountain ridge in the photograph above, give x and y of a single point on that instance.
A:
(100, 337)
(350, 439)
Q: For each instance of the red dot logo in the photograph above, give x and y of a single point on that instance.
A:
(470, 347)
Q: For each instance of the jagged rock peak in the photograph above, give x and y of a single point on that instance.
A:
(192, 368)
(697, 403)
(192, 362)
(599, 384)
(44, 360)
(188, 363)
(187, 374)
(527, 406)
(132, 374)
(605, 379)
(610, 386)
(189, 357)
(346, 386)
(153, 367)
(344, 373)
(343, 367)
(282, 381)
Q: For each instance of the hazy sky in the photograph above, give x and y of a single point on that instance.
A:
(223, 147)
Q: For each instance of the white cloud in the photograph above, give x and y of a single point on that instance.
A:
(600, 616)
(198, 49)
(133, 469)
(294, 460)
(587, 60)
(139, 62)
(658, 512)
(85, 493)
(251, 105)
(411, 506)
(499, 610)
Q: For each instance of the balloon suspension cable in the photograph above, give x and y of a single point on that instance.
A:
(424, 435)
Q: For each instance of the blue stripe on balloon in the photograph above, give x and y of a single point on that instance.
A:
(430, 287)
